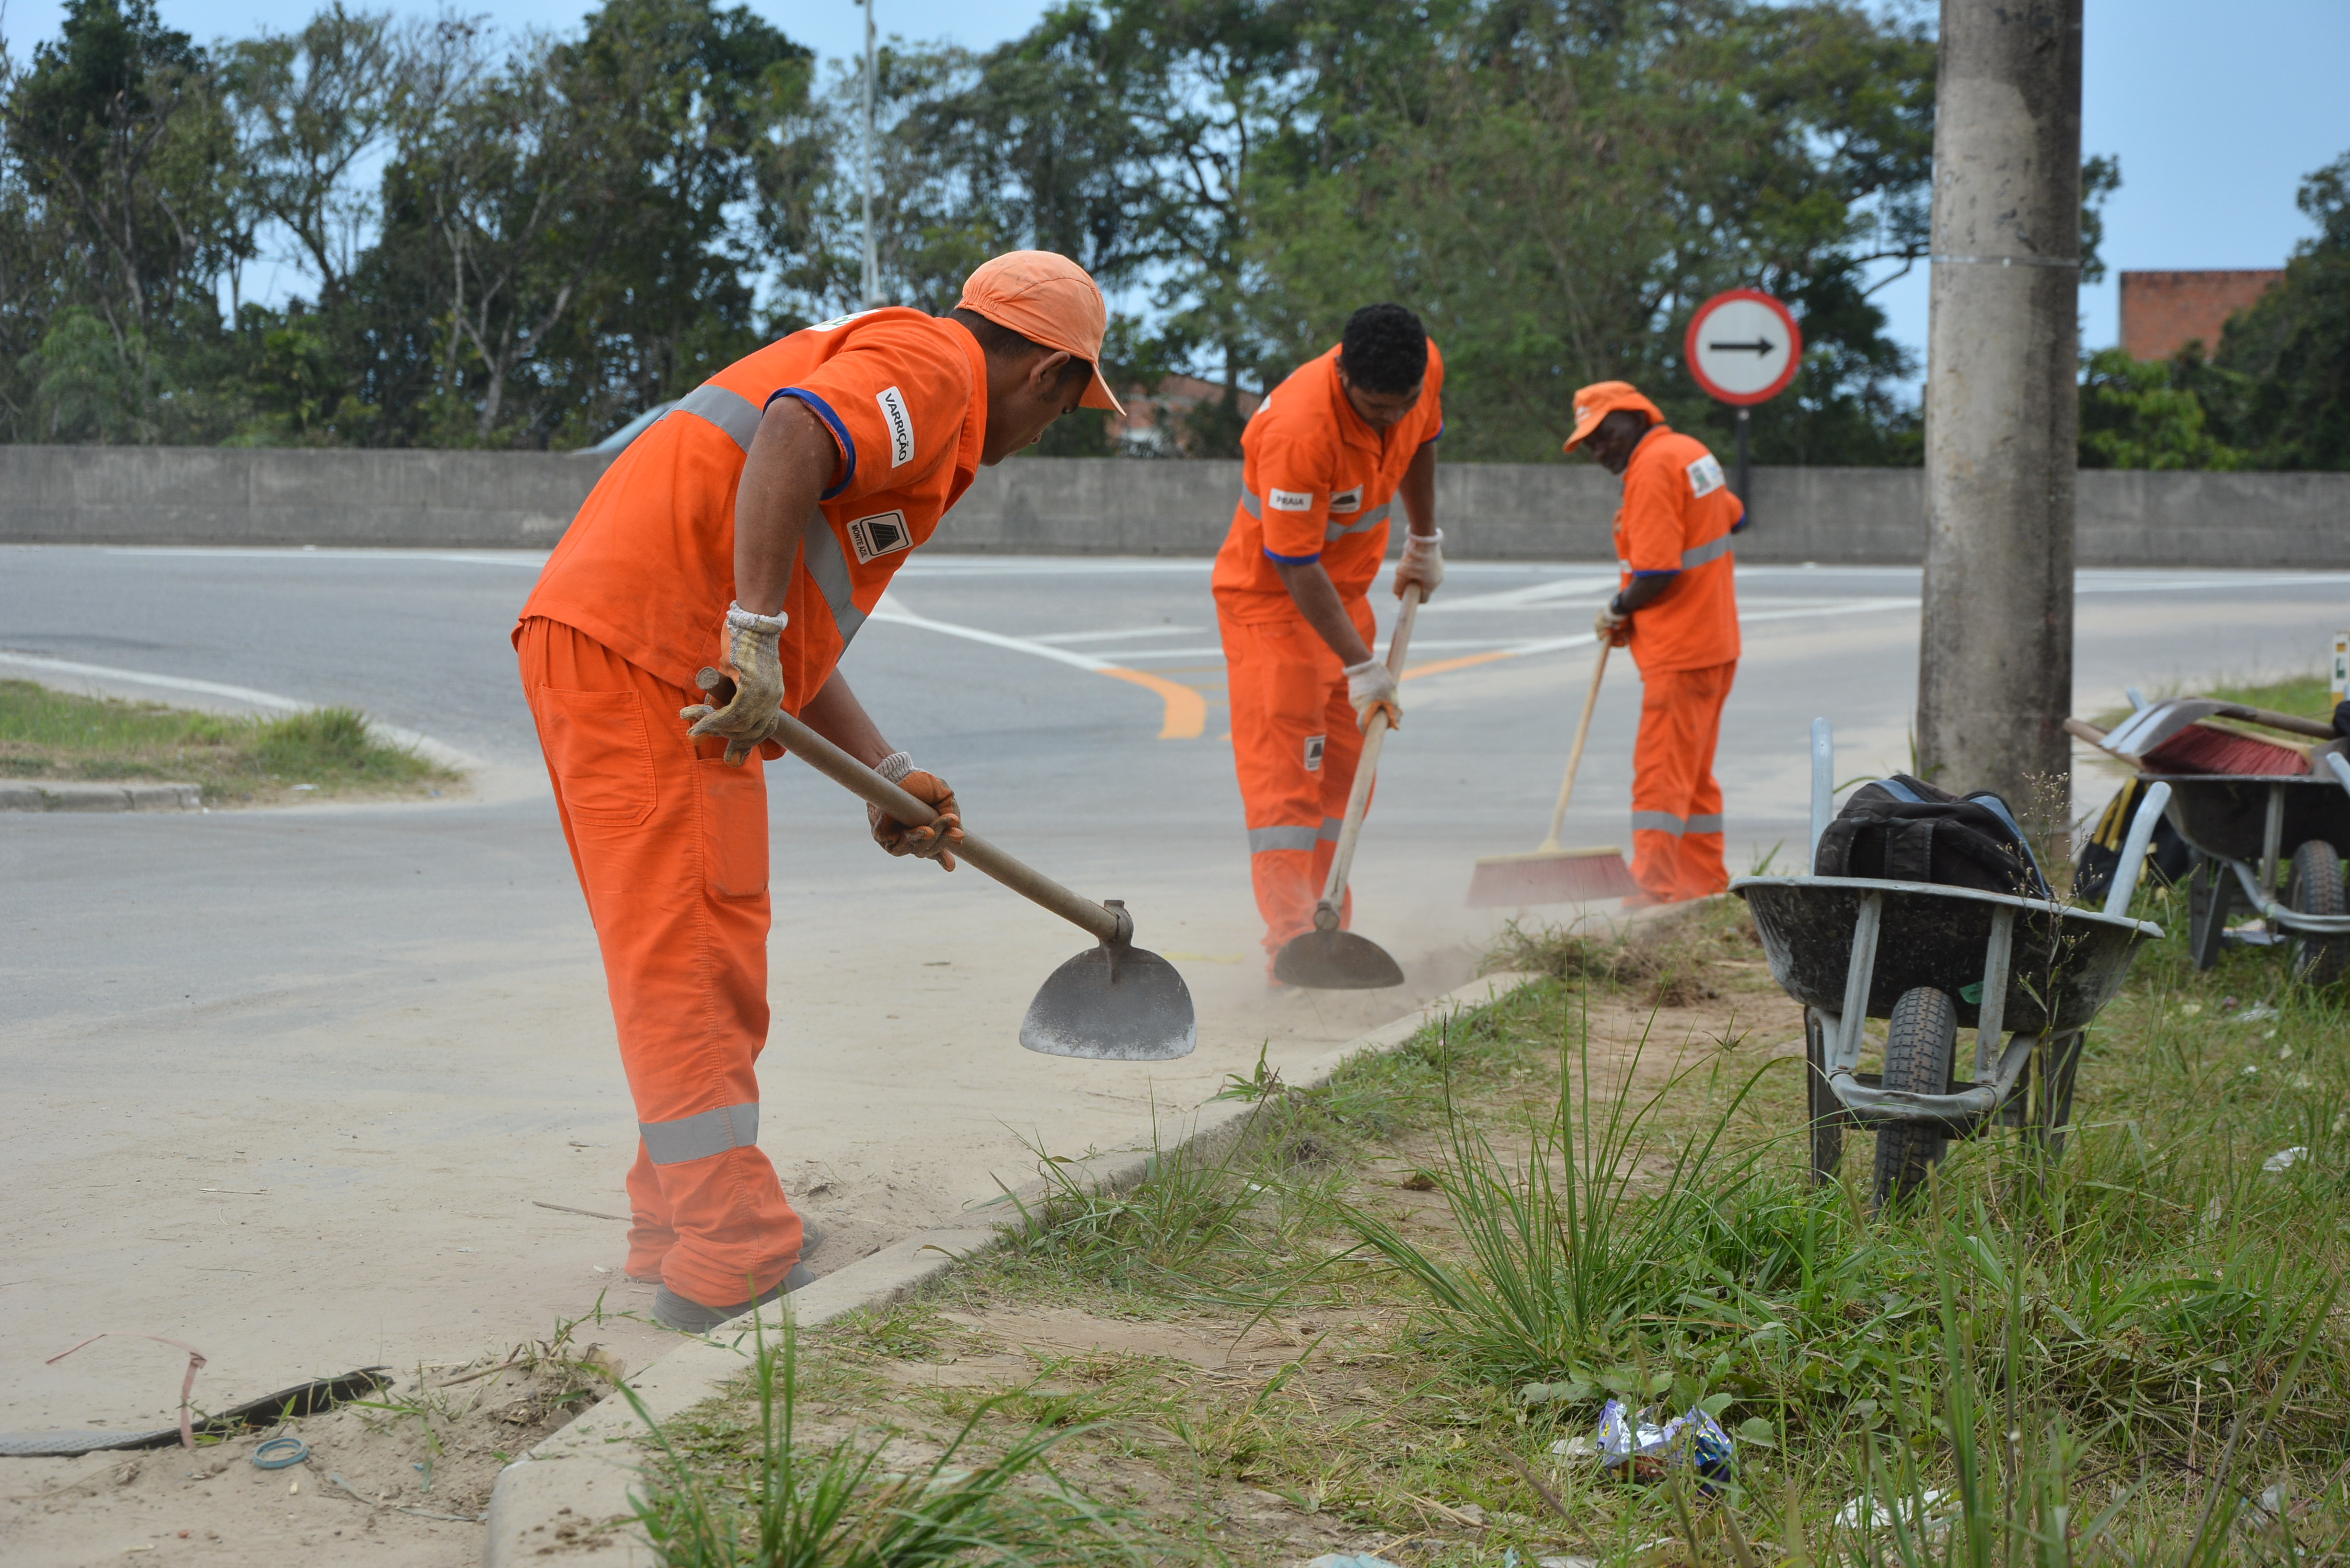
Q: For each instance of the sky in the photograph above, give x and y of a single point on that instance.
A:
(2216, 117)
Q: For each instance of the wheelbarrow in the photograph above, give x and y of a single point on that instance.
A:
(2027, 975)
(2239, 826)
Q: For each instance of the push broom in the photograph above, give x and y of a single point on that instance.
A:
(1550, 873)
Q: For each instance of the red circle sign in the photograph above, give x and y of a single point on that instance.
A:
(1743, 346)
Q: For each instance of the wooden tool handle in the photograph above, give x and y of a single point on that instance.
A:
(2292, 725)
(1575, 757)
(1102, 922)
(1366, 767)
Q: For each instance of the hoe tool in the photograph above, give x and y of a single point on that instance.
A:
(1114, 1002)
(1550, 873)
(1326, 958)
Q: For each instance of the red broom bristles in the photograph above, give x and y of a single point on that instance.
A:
(2201, 749)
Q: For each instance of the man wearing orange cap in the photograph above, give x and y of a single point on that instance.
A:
(756, 524)
(1324, 457)
(1677, 609)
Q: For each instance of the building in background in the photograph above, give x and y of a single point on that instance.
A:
(2163, 312)
(1155, 423)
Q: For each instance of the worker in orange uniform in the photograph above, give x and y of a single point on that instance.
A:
(1324, 457)
(755, 526)
(1677, 610)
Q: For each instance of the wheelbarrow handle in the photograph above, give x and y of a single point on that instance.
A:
(1106, 924)
(2134, 850)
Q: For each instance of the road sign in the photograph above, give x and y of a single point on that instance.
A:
(1743, 346)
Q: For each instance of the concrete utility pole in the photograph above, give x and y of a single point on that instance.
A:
(1995, 660)
(872, 254)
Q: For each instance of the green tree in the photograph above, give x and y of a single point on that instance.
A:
(2148, 414)
(1555, 186)
(2291, 349)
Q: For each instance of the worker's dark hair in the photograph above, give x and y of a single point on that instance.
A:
(1384, 349)
(1002, 343)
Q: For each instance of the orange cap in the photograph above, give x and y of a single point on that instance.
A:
(1599, 399)
(1047, 300)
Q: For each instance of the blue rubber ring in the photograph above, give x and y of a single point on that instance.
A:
(261, 1456)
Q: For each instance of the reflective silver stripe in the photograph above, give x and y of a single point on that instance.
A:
(1699, 555)
(1659, 822)
(1330, 826)
(700, 1135)
(738, 416)
(1705, 824)
(733, 413)
(827, 567)
(1362, 524)
(1252, 504)
(1263, 838)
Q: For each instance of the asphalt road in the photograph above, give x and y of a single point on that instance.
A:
(291, 1083)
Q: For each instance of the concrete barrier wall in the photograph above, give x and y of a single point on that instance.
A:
(203, 495)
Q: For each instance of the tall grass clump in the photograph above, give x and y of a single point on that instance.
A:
(773, 1497)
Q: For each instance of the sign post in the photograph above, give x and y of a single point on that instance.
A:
(1744, 348)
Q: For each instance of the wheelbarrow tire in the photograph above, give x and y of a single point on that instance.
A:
(2315, 887)
(1826, 1113)
(1918, 1041)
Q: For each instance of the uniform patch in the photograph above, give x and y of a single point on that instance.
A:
(1291, 500)
(1347, 500)
(838, 322)
(883, 534)
(1314, 753)
(1705, 475)
(902, 428)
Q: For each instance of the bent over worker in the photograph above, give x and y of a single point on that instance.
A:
(1677, 610)
(1326, 456)
(755, 526)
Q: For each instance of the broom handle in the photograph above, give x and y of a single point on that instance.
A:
(1575, 757)
(2315, 728)
(1358, 799)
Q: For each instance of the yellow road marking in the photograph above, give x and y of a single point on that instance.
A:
(1187, 710)
(1442, 665)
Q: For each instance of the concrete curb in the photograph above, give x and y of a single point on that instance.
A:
(28, 796)
(554, 1499)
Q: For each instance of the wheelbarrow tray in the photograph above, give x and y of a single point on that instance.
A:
(2067, 962)
(2226, 815)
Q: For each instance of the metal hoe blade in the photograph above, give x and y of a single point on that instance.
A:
(1112, 1003)
(1336, 961)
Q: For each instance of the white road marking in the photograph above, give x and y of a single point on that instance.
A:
(1117, 635)
(244, 694)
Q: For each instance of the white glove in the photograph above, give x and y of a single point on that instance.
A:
(1371, 687)
(753, 661)
(1422, 563)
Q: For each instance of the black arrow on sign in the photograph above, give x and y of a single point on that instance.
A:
(1759, 347)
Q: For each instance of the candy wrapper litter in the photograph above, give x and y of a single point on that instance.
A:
(1648, 1445)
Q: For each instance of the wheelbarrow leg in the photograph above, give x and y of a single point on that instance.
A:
(2211, 893)
(1999, 958)
(2058, 1059)
(1820, 1101)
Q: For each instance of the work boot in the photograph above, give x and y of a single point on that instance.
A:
(811, 1238)
(672, 1310)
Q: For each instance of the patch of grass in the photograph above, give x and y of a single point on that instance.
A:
(2310, 695)
(46, 735)
(732, 1493)
(1445, 1260)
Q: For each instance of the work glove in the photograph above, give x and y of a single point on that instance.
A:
(1613, 626)
(935, 842)
(755, 661)
(1371, 688)
(1422, 563)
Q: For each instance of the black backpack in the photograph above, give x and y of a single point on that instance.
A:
(1905, 830)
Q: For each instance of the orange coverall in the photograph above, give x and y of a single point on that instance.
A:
(1676, 520)
(670, 844)
(1317, 484)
